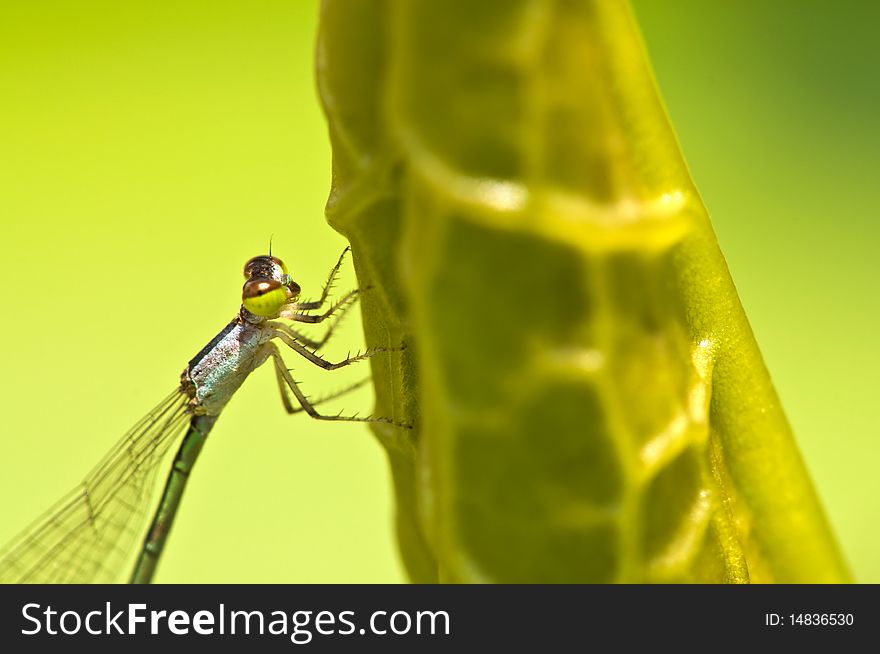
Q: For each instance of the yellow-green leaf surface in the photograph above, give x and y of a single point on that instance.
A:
(588, 400)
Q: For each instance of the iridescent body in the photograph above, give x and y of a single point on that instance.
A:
(219, 372)
(87, 536)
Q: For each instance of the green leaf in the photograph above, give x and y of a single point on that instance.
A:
(588, 400)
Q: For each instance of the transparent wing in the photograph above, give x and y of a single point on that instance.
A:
(87, 536)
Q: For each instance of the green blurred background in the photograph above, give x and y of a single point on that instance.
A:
(147, 149)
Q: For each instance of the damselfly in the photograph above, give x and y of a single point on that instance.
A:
(88, 535)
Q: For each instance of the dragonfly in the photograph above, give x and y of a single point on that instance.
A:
(89, 534)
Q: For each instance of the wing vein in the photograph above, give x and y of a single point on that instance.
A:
(88, 534)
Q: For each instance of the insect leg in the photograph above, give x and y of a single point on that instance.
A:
(319, 361)
(290, 313)
(328, 286)
(309, 407)
(309, 342)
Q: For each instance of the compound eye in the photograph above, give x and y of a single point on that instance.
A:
(263, 296)
(292, 288)
(280, 264)
(253, 265)
(264, 266)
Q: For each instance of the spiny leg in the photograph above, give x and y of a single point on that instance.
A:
(320, 361)
(289, 311)
(328, 286)
(302, 338)
(285, 398)
(309, 342)
(309, 407)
